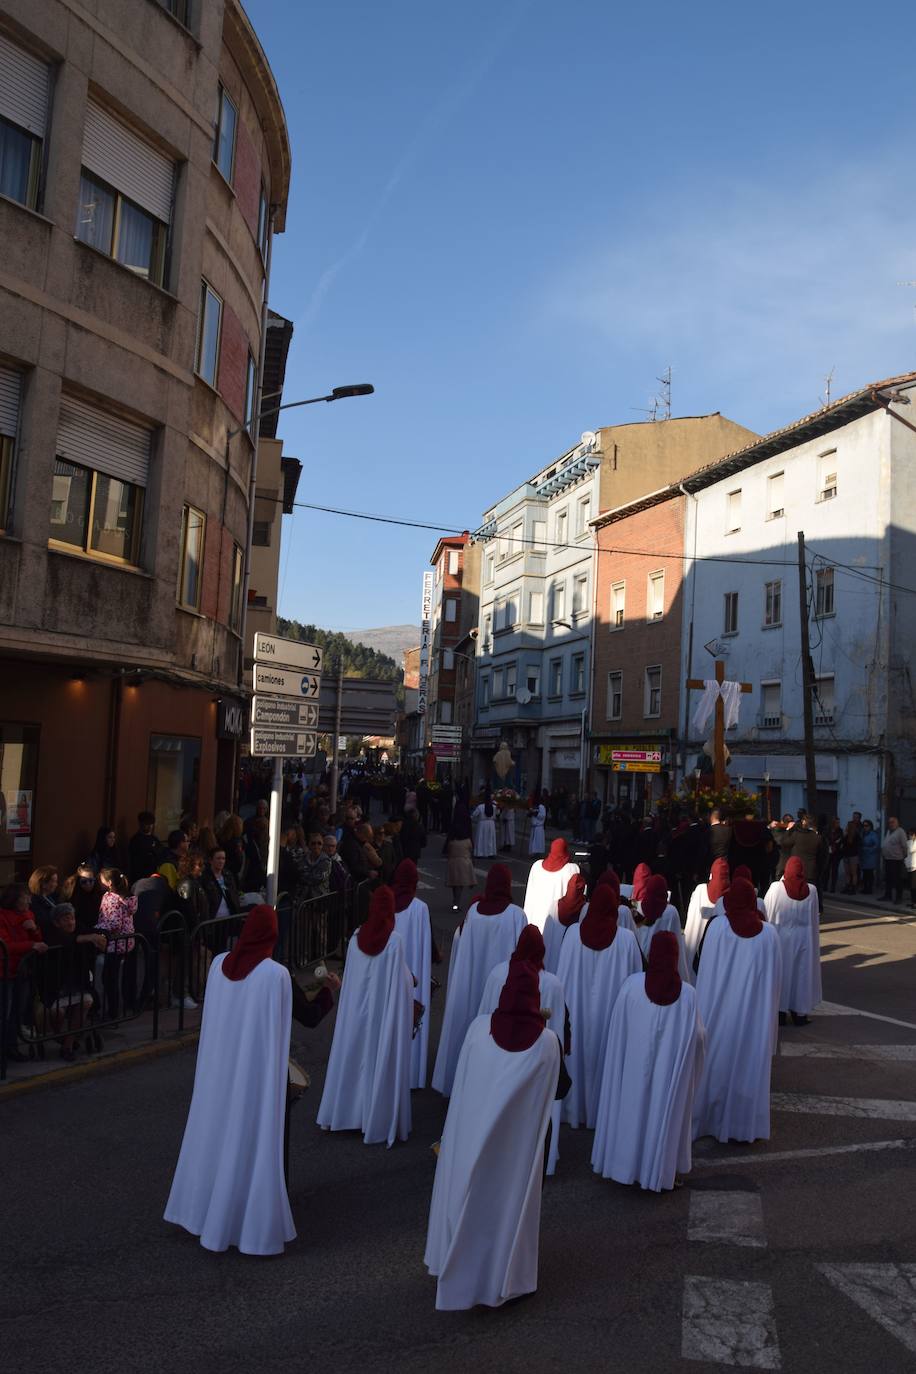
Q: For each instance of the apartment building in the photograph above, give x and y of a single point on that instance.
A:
(145, 168)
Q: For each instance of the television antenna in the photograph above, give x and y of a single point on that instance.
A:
(828, 386)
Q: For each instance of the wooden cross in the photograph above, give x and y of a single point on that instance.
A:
(696, 684)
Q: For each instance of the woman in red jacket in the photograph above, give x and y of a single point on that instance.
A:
(20, 934)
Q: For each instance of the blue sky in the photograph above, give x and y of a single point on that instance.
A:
(512, 216)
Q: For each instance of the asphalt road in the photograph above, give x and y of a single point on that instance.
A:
(728, 1271)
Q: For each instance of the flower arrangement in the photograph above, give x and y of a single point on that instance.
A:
(734, 799)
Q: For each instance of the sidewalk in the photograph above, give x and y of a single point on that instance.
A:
(123, 1044)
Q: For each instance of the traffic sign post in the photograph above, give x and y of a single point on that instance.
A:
(278, 711)
(284, 744)
(287, 681)
(288, 653)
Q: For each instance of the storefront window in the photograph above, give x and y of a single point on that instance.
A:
(18, 771)
(174, 777)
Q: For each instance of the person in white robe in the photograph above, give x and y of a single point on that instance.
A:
(792, 906)
(654, 913)
(537, 840)
(367, 1084)
(701, 909)
(548, 880)
(489, 934)
(484, 821)
(742, 871)
(738, 999)
(596, 959)
(411, 921)
(530, 949)
(229, 1187)
(506, 826)
(654, 1057)
(641, 875)
(569, 910)
(624, 911)
(484, 1217)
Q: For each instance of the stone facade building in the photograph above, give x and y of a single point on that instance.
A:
(145, 167)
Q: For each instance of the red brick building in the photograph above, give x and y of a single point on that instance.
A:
(637, 652)
(456, 599)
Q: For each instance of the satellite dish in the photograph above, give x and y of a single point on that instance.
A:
(589, 439)
(523, 696)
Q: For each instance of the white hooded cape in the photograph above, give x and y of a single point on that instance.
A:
(484, 1219)
(412, 924)
(484, 941)
(229, 1187)
(484, 832)
(738, 1000)
(367, 1085)
(798, 926)
(537, 842)
(544, 891)
(653, 1061)
(552, 1000)
(699, 912)
(669, 920)
(591, 980)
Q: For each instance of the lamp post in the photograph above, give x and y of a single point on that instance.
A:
(766, 783)
(338, 393)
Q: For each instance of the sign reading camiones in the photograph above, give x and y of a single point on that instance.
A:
(286, 682)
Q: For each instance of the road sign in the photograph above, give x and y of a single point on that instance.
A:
(446, 751)
(446, 732)
(283, 744)
(368, 706)
(281, 711)
(287, 653)
(286, 682)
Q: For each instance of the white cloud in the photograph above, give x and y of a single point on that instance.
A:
(754, 293)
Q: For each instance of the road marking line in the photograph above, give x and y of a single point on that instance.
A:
(835, 1009)
(814, 1152)
(869, 1108)
(729, 1323)
(897, 1054)
(887, 1292)
(726, 1218)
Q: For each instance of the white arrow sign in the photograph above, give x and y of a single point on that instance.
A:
(287, 744)
(286, 682)
(287, 653)
(284, 712)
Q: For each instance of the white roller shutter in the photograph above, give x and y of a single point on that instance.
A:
(9, 401)
(23, 88)
(94, 439)
(127, 162)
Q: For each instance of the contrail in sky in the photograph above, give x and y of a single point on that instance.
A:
(441, 112)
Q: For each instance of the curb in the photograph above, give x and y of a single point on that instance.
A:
(74, 1073)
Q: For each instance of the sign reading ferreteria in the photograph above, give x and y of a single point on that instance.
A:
(426, 617)
(281, 711)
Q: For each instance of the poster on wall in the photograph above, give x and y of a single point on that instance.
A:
(19, 813)
(426, 614)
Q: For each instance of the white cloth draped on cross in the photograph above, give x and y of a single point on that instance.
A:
(730, 693)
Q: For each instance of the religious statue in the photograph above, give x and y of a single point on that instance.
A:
(503, 762)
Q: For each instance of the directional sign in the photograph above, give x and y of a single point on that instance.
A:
(446, 732)
(287, 653)
(286, 682)
(281, 711)
(284, 744)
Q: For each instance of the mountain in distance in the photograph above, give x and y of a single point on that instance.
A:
(391, 640)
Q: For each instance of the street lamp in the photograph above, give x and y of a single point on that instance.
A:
(337, 393)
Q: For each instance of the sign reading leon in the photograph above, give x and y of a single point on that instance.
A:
(287, 653)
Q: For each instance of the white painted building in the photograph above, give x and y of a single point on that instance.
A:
(846, 476)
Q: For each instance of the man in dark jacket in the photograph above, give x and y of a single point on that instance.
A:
(144, 851)
(351, 851)
(220, 886)
(413, 836)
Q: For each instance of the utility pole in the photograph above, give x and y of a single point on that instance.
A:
(335, 752)
(807, 680)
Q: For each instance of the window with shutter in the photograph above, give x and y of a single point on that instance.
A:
(100, 472)
(24, 91)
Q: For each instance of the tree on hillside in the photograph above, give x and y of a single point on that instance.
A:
(358, 659)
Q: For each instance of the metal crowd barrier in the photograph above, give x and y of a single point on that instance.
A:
(76, 991)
